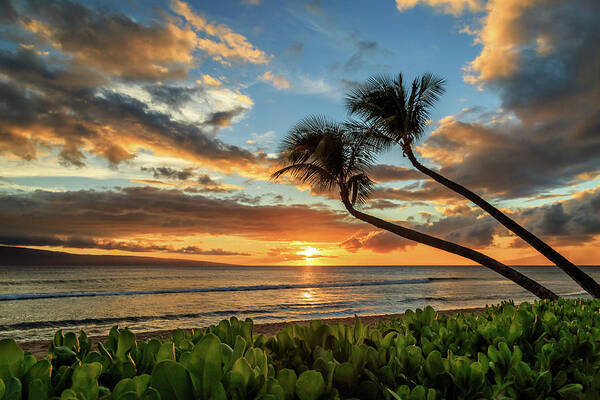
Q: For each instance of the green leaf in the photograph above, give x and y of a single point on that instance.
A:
(287, 379)
(434, 365)
(172, 381)
(2, 388)
(166, 352)
(310, 385)
(515, 331)
(37, 390)
(85, 380)
(570, 390)
(240, 376)
(13, 389)
(205, 365)
(40, 370)
(11, 360)
(126, 341)
(345, 376)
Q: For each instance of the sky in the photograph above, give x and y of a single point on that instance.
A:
(152, 127)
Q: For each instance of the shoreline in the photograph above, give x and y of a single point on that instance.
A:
(39, 348)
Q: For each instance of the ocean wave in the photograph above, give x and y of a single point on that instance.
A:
(50, 295)
(284, 312)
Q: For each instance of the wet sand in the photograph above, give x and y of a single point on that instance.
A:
(39, 348)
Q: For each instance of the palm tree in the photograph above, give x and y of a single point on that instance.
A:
(328, 155)
(396, 114)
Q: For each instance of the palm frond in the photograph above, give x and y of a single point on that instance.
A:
(360, 187)
(400, 112)
(309, 173)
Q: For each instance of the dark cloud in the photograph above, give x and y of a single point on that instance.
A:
(90, 243)
(172, 96)
(207, 180)
(543, 61)
(107, 40)
(364, 51)
(125, 213)
(223, 118)
(75, 117)
(572, 221)
(212, 252)
(384, 205)
(171, 173)
(512, 161)
(428, 191)
(387, 173)
(377, 241)
(7, 12)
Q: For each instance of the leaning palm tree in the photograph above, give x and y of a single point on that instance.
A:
(329, 156)
(396, 114)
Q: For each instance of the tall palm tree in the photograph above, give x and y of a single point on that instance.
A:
(397, 114)
(328, 155)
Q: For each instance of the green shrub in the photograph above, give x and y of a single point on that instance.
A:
(546, 350)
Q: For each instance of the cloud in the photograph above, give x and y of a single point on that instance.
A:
(447, 6)
(209, 80)
(376, 241)
(384, 205)
(388, 173)
(365, 50)
(7, 11)
(276, 80)
(120, 214)
(78, 119)
(540, 58)
(228, 46)
(115, 44)
(569, 222)
(87, 243)
(170, 173)
(201, 183)
(112, 42)
(428, 191)
(316, 85)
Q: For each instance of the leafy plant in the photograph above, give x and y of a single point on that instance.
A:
(545, 350)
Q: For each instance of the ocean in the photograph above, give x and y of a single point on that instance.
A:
(36, 301)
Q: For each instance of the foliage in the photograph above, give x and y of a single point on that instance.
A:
(546, 350)
(327, 155)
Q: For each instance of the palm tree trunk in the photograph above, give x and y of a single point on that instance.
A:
(582, 279)
(509, 273)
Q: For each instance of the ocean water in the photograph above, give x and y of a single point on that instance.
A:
(35, 301)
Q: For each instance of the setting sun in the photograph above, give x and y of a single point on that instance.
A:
(309, 252)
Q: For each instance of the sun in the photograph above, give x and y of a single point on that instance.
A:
(309, 252)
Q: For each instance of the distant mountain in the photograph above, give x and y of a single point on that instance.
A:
(33, 257)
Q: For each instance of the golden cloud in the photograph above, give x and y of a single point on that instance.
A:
(276, 80)
(229, 44)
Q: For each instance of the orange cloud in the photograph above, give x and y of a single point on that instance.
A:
(502, 35)
(113, 43)
(376, 241)
(209, 80)
(230, 45)
(276, 80)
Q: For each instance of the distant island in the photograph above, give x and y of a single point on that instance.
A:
(20, 256)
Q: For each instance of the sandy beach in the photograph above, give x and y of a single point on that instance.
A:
(39, 348)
